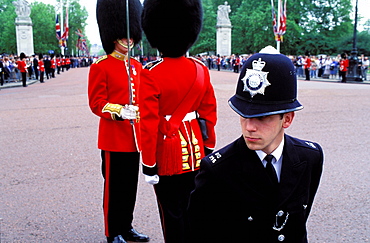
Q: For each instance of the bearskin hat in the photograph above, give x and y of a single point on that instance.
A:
(111, 18)
(172, 26)
(22, 55)
(41, 56)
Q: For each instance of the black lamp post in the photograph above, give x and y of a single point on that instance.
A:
(354, 69)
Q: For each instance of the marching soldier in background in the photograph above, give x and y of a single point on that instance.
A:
(53, 65)
(175, 91)
(261, 187)
(58, 63)
(41, 67)
(114, 98)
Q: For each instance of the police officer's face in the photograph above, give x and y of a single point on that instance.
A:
(265, 133)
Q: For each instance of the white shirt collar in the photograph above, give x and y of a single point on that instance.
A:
(277, 153)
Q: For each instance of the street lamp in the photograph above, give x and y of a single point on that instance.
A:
(354, 69)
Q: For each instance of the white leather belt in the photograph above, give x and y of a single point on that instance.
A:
(188, 117)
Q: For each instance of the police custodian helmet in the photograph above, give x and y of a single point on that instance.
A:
(111, 18)
(172, 26)
(267, 85)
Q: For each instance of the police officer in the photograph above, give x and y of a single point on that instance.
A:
(117, 105)
(174, 91)
(259, 188)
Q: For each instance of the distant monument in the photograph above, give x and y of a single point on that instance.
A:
(23, 27)
(224, 27)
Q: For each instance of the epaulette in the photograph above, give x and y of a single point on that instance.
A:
(199, 61)
(153, 64)
(101, 59)
(307, 144)
(221, 155)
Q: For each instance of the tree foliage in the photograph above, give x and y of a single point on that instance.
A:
(43, 20)
(8, 43)
(315, 26)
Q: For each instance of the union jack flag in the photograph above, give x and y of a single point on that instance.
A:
(282, 29)
(57, 28)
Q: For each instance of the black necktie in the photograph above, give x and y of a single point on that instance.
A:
(271, 170)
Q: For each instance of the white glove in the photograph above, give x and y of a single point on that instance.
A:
(129, 112)
(152, 180)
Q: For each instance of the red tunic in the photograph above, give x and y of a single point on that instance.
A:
(108, 83)
(164, 84)
(41, 66)
(53, 63)
(343, 65)
(22, 66)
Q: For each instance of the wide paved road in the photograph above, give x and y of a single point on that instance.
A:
(50, 181)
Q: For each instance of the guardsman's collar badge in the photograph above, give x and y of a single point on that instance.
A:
(255, 80)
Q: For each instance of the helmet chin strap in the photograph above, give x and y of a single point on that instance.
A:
(125, 45)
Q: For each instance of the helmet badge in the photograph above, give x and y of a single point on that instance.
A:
(255, 80)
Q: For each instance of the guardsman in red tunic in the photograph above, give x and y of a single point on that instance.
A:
(22, 66)
(41, 68)
(343, 67)
(63, 63)
(59, 63)
(53, 65)
(175, 91)
(68, 63)
(113, 96)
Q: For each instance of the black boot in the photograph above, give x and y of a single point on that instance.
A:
(116, 239)
(133, 235)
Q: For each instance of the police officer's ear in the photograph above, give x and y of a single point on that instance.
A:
(288, 119)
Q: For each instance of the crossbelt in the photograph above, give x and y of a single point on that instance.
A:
(188, 117)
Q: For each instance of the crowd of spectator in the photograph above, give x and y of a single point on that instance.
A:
(324, 66)
(48, 67)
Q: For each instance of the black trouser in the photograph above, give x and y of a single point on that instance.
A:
(343, 75)
(173, 194)
(41, 77)
(307, 73)
(120, 171)
(36, 73)
(24, 79)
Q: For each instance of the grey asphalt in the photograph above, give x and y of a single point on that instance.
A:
(50, 180)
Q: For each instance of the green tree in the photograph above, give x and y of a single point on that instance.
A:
(207, 38)
(8, 43)
(43, 20)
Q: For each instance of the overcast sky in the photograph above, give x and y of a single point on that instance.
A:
(92, 30)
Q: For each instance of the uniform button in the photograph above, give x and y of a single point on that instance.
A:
(281, 238)
(250, 218)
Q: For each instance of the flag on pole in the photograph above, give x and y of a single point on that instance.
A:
(279, 28)
(66, 29)
(282, 26)
(57, 28)
(274, 22)
(79, 33)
